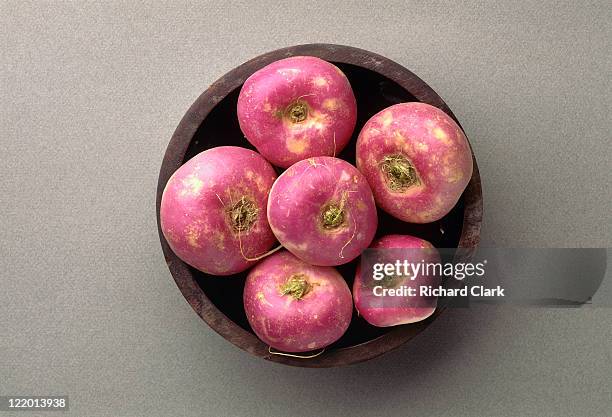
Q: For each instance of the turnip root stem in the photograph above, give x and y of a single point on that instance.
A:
(297, 111)
(332, 216)
(400, 173)
(296, 286)
(243, 214)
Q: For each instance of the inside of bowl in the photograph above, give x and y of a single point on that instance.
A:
(373, 92)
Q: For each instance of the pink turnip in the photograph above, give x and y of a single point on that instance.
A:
(213, 210)
(392, 310)
(297, 108)
(296, 307)
(416, 159)
(322, 210)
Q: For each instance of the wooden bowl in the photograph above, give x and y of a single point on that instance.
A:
(211, 121)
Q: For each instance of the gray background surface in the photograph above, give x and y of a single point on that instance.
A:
(90, 96)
